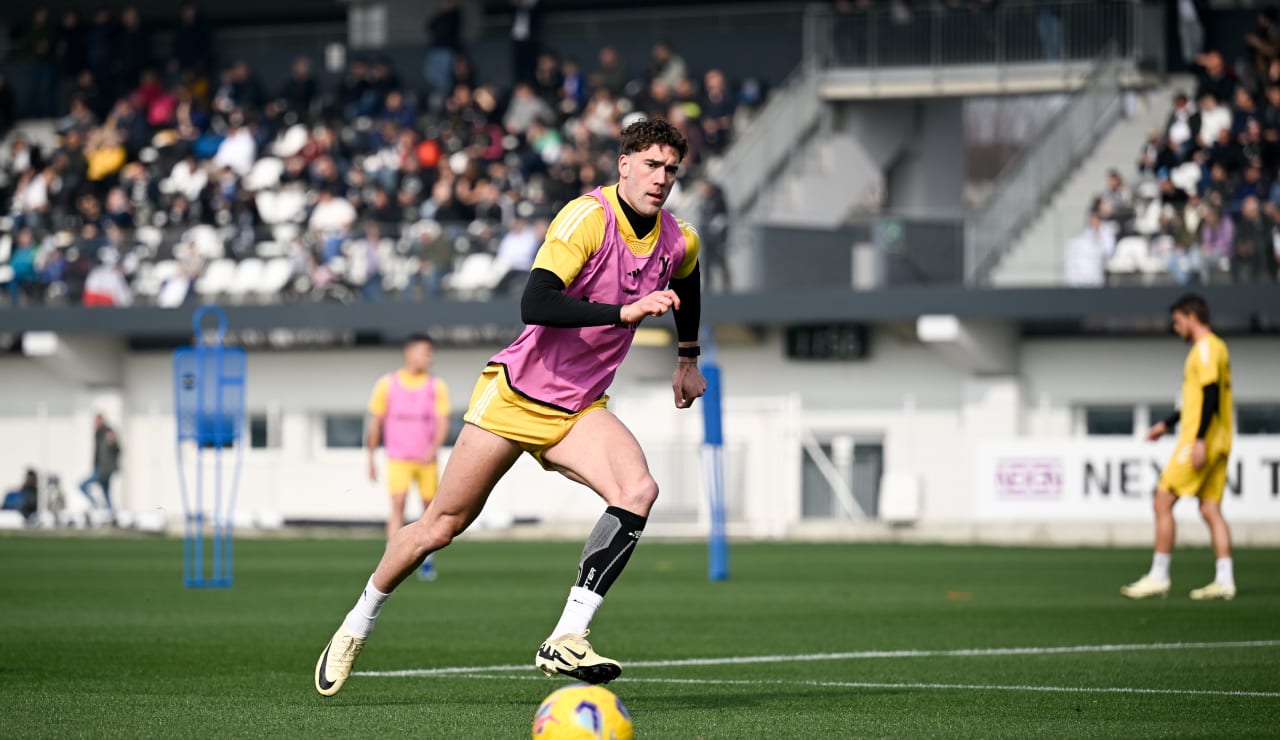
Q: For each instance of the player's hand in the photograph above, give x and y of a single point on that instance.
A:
(688, 384)
(655, 304)
(373, 470)
(1156, 431)
(1197, 454)
(429, 458)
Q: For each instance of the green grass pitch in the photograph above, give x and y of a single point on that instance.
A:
(98, 638)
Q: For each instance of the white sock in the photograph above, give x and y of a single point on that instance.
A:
(360, 619)
(578, 611)
(1225, 574)
(1160, 566)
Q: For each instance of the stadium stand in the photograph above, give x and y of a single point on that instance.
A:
(192, 181)
(1202, 203)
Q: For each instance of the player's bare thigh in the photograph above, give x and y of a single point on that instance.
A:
(478, 461)
(602, 454)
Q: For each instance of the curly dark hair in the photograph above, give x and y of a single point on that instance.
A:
(645, 133)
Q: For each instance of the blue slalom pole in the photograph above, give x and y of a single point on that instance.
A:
(209, 380)
(713, 439)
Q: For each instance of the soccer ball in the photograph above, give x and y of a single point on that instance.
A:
(582, 711)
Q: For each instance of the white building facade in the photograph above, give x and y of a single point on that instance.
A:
(928, 437)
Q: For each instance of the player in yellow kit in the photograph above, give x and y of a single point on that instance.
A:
(1198, 466)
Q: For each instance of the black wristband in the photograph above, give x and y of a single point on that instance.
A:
(688, 351)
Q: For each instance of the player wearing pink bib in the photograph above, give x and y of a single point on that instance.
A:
(611, 258)
(409, 418)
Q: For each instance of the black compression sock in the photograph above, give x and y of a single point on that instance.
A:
(608, 548)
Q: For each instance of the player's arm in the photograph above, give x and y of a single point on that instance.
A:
(689, 314)
(373, 438)
(687, 383)
(1164, 426)
(572, 238)
(1207, 412)
(442, 413)
(545, 303)
(373, 429)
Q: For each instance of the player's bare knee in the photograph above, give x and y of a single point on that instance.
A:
(639, 495)
(432, 535)
(443, 533)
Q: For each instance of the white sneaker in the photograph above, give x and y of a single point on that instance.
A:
(1146, 587)
(1215, 590)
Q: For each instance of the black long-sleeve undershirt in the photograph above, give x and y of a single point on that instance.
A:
(689, 290)
(545, 303)
(1207, 411)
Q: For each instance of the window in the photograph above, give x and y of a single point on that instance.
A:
(1258, 419)
(1108, 421)
(1160, 412)
(860, 470)
(343, 431)
(257, 431)
(264, 431)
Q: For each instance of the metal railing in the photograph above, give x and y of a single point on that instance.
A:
(1028, 181)
(603, 21)
(1013, 32)
(790, 117)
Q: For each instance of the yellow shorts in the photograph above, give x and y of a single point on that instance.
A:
(495, 407)
(400, 473)
(1207, 483)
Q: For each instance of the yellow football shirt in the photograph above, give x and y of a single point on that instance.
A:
(577, 232)
(1207, 362)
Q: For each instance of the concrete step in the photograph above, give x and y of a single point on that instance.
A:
(1036, 258)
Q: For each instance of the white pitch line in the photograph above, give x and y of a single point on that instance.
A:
(921, 686)
(861, 655)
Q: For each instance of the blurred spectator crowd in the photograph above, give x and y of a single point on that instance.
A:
(1205, 201)
(178, 178)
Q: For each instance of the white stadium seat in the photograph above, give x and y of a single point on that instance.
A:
(152, 278)
(280, 206)
(247, 278)
(206, 240)
(1129, 256)
(264, 175)
(285, 232)
(149, 235)
(274, 278)
(478, 275)
(216, 279)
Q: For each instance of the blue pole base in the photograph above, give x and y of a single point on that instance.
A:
(208, 583)
(718, 561)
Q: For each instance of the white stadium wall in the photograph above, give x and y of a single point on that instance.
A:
(943, 431)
